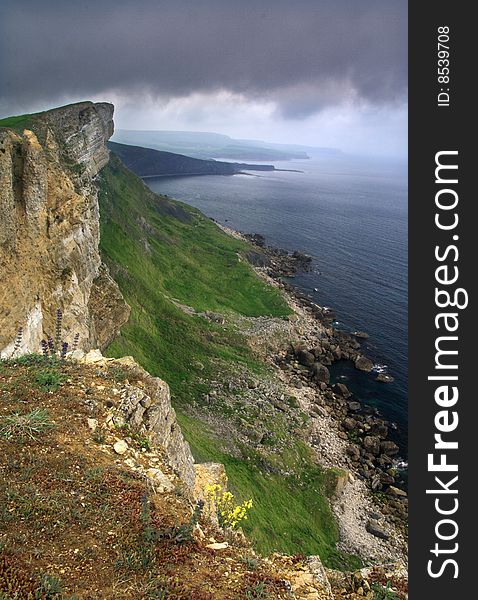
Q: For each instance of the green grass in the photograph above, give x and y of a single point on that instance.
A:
(384, 593)
(160, 250)
(18, 123)
(189, 257)
(290, 513)
(161, 253)
(29, 425)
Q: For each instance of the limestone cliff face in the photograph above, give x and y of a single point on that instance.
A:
(49, 230)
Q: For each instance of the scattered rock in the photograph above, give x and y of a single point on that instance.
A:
(363, 363)
(218, 546)
(92, 424)
(354, 452)
(120, 447)
(342, 390)
(215, 317)
(92, 357)
(388, 447)
(258, 258)
(376, 529)
(372, 444)
(384, 378)
(361, 335)
(315, 439)
(341, 480)
(320, 373)
(349, 424)
(397, 492)
(161, 483)
(320, 576)
(318, 410)
(380, 430)
(307, 359)
(279, 405)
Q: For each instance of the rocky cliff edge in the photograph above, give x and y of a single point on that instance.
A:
(49, 230)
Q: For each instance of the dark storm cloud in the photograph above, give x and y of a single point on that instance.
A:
(304, 55)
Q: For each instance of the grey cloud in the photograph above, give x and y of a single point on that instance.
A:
(303, 54)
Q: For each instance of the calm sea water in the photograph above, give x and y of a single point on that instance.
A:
(350, 215)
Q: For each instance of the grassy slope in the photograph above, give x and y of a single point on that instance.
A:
(160, 249)
(18, 123)
(291, 514)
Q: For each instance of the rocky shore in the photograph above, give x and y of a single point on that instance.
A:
(277, 262)
(371, 503)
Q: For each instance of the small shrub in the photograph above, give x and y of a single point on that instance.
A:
(142, 441)
(251, 562)
(16, 581)
(229, 514)
(141, 557)
(259, 590)
(182, 534)
(293, 402)
(117, 373)
(384, 593)
(99, 436)
(49, 380)
(159, 590)
(51, 586)
(95, 475)
(27, 360)
(29, 425)
(136, 559)
(164, 588)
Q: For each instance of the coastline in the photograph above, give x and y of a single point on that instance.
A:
(245, 172)
(370, 509)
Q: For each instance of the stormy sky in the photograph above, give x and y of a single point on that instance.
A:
(317, 72)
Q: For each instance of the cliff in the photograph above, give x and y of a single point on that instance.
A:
(92, 451)
(49, 230)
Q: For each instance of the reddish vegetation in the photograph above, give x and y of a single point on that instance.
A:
(77, 522)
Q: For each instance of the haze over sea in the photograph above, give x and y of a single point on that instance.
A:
(350, 215)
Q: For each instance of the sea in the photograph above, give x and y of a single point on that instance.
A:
(350, 215)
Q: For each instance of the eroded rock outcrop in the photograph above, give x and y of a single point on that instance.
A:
(144, 405)
(49, 230)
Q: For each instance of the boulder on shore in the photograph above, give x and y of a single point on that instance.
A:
(361, 335)
(388, 447)
(320, 373)
(342, 390)
(384, 378)
(306, 358)
(364, 364)
(354, 452)
(372, 444)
